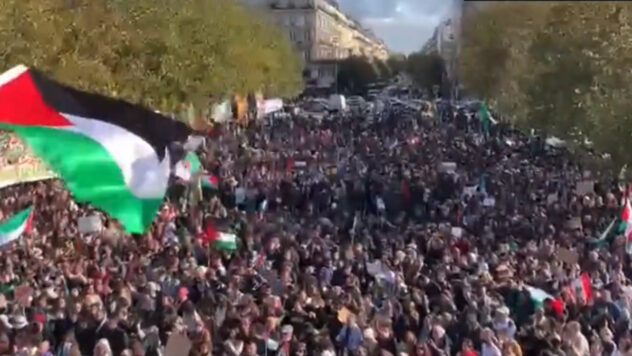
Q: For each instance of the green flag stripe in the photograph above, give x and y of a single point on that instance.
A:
(15, 222)
(194, 162)
(90, 173)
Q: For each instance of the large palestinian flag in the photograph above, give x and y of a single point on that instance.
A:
(110, 153)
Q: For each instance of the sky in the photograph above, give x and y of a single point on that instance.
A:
(404, 25)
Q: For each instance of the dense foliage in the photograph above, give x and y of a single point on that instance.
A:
(426, 70)
(159, 53)
(561, 68)
(356, 73)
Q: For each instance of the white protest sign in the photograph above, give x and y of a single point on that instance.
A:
(457, 232)
(447, 167)
(585, 187)
(470, 191)
(89, 224)
(178, 344)
(272, 105)
(489, 202)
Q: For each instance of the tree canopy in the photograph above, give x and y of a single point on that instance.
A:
(561, 68)
(397, 63)
(356, 73)
(426, 70)
(159, 53)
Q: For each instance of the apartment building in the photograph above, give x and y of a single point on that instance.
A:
(323, 35)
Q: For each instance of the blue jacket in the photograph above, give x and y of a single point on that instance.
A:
(350, 338)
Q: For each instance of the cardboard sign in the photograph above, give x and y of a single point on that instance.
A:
(89, 224)
(457, 232)
(567, 256)
(178, 344)
(470, 191)
(585, 187)
(447, 167)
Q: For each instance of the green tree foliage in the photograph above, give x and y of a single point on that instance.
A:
(159, 53)
(355, 74)
(559, 67)
(426, 70)
(397, 63)
(383, 70)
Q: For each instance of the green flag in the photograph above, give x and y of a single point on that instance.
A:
(608, 235)
(188, 167)
(484, 116)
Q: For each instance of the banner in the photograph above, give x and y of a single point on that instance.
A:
(222, 112)
(23, 173)
(272, 105)
(17, 164)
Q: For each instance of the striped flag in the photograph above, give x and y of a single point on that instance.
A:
(109, 153)
(626, 225)
(12, 228)
(582, 286)
(223, 240)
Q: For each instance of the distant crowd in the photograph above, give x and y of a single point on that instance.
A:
(400, 234)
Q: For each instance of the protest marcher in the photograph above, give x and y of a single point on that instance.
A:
(410, 235)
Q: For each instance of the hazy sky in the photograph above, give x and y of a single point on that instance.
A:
(404, 25)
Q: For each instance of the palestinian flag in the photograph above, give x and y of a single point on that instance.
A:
(210, 181)
(110, 153)
(12, 228)
(607, 236)
(539, 296)
(582, 286)
(626, 225)
(222, 240)
(190, 166)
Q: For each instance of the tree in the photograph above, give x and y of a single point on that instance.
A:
(383, 70)
(558, 68)
(397, 63)
(157, 53)
(355, 74)
(426, 70)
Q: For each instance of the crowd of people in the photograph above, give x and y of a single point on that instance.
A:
(402, 235)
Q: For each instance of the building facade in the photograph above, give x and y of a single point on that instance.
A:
(447, 39)
(323, 35)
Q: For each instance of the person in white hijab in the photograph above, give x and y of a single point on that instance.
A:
(575, 340)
